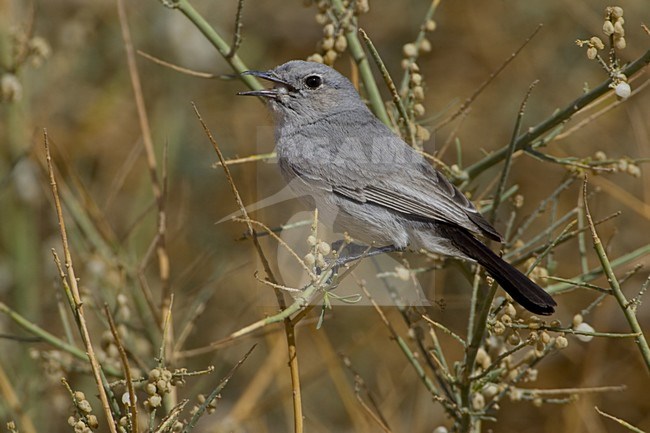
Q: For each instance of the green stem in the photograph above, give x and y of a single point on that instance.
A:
(217, 41)
(369, 83)
(626, 306)
(50, 338)
(468, 420)
(595, 273)
(560, 116)
(408, 125)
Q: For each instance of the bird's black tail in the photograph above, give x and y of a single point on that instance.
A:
(528, 294)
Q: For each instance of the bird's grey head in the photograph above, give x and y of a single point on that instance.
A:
(306, 91)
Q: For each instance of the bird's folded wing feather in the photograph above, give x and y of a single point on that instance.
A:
(427, 195)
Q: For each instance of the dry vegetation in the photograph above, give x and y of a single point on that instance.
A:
(118, 156)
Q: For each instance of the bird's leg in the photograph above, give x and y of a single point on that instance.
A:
(352, 252)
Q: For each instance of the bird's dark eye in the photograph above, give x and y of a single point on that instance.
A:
(313, 81)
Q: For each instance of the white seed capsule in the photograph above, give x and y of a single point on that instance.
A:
(592, 52)
(634, 170)
(418, 109)
(418, 93)
(422, 133)
(618, 29)
(410, 50)
(310, 259)
(620, 43)
(597, 42)
(585, 327)
(330, 57)
(341, 43)
(425, 46)
(430, 25)
(328, 43)
(155, 400)
(577, 319)
(315, 58)
(328, 30)
(402, 273)
(608, 28)
(324, 248)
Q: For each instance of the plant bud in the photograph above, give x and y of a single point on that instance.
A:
(618, 29)
(328, 30)
(327, 44)
(597, 42)
(619, 43)
(425, 46)
(616, 11)
(623, 90)
(341, 43)
(410, 50)
(608, 28)
(418, 93)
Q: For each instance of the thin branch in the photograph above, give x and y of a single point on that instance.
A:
(215, 39)
(408, 124)
(156, 185)
(288, 325)
(177, 68)
(356, 50)
(463, 108)
(623, 303)
(215, 392)
(251, 158)
(511, 148)
(555, 119)
(77, 306)
(625, 424)
(236, 41)
(133, 407)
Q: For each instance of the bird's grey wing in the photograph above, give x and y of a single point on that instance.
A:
(397, 178)
(426, 195)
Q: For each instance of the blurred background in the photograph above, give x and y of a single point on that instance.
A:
(81, 92)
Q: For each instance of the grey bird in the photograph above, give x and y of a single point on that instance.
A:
(369, 182)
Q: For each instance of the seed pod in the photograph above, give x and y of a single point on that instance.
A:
(418, 93)
(324, 248)
(330, 57)
(421, 133)
(585, 327)
(608, 28)
(425, 46)
(416, 79)
(623, 90)
(341, 43)
(410, 50)
(327, 44)
(597, 42)
(315, 58)
(310, 259)
(328, 30)
(561, 342)
(430, 25)
(418, 109)
(620, 43)
(402, 273)
(616, 11)
(618, 29)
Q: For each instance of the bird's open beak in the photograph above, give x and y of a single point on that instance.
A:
(267, 93)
